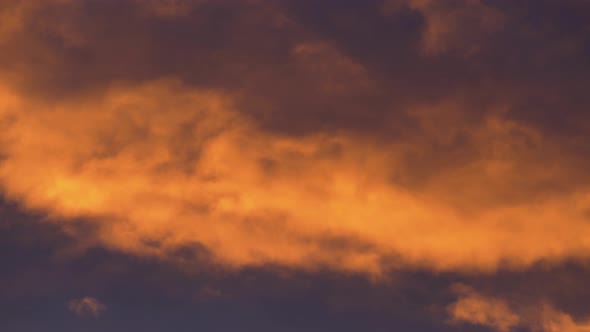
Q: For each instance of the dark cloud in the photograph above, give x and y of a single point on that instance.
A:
(87, 306)
(533, 63)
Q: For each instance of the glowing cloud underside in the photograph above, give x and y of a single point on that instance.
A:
(159, 166)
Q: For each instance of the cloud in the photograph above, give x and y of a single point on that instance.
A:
(497, 314)
(476, 309)
(269, 139)
(160, 166)
(453, 26)
(86, 306)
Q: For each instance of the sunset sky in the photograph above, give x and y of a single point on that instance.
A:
(295, 165)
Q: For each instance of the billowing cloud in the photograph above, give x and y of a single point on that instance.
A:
(310, 152)
(160, 166)
(501, 316)
(86, 306)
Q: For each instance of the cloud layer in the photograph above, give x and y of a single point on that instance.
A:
(267, 135)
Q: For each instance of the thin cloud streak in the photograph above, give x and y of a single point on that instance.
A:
(86, 306)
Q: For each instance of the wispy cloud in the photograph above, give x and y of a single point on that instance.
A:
(503, 316)
(318, 151)
(86, 306)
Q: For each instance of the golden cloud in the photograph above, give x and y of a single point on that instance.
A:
(160, 165)
(87, 306)
(474, 308)
(452, 26)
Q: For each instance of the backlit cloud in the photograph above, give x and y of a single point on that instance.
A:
(160, 166)
(282, 144)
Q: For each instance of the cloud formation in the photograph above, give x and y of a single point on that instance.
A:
(497, 314)
(288, 144)
(160, 166)
(86, 306)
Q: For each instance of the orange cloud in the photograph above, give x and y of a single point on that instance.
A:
(159, 166)
(477, 309)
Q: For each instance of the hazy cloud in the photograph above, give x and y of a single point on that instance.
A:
(86, 306)
(265, 134)
(503, 316)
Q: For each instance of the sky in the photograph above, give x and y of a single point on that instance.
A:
(294, 165)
